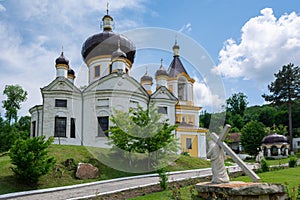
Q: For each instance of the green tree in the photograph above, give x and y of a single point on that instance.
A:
(31, 159)
(236, 121)
(285, 88)
(15, 96)
(267, 115)
(204, 119)
(252, 134)
(23, 124)
(237, 103)
(142, 131)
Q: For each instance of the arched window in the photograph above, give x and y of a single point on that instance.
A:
(182, 88)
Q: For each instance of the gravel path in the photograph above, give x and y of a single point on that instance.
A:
(103, 187)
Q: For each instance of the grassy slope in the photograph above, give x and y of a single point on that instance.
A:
(60, 176)
(289, 177)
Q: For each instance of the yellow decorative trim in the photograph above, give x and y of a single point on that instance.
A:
(161, 76)
(185, 75)
(88, 62)
(146, 82)
(62, 66)
(149, 92)
(193, 130)
(187, 107)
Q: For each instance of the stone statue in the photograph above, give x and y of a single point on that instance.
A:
(259, 156)
(217, 158)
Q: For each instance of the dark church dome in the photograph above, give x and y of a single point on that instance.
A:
(61, 59)
(146, 77)
(274, 139)
(106, 43)
(161, 71)
(71, 72)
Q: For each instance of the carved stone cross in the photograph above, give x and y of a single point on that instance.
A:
(219, 140)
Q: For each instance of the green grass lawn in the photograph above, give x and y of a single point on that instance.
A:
(289, 177)
(60, 176)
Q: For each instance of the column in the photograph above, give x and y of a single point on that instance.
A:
(286, 151)
(269, 152)
(201, 145)
(279, 151)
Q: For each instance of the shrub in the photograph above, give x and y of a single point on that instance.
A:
(176, 195)
(163, 178)
(31, 158)
(264, 166)
(185, 153)
(293, 162)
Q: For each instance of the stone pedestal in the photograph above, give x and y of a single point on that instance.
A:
(241, 191)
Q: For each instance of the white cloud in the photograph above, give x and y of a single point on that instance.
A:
(204, 96)
(2, 8)
(266, 44)
(186, 28)
(33, 31)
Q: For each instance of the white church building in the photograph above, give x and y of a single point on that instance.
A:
(77, 116)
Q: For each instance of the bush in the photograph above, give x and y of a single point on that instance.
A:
(185, 153)
(264, 166)
(293, 162)
(31, 158)
(163, 178)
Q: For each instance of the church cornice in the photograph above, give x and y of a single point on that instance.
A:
(182, 74)
(191, 129)
(187, 107)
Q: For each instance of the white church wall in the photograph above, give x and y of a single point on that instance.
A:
(174, 85)
(37, 117)
(104, 68)
(72, 110)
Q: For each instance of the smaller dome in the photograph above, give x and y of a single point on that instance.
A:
(176, 46)
(176, 49)
(274, 139)
(118, 53)
(107, 16)
(61, 59)
(161, 71)
(71, 72)
(146, 77)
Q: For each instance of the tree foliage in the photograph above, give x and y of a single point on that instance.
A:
(9, 133)
(142, 131)
(237, 104)
(15, 96)
(30, 157)
(252, 135)
(285, 88)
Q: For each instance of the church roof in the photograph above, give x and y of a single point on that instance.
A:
(62, 59)
(161, 71)
(274, 138)
(176, 67)
(146, 77)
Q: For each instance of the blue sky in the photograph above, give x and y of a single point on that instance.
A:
(248, 40)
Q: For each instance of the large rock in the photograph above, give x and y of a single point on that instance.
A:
(241, 190)
(86, 171)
